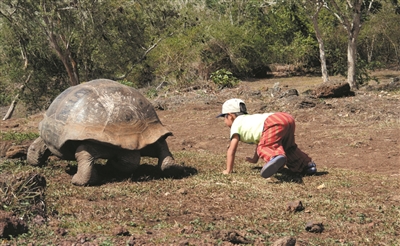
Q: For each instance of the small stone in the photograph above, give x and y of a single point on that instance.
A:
(285, 241)
(186, 230)
(120, 231)
(315, 227)
(39, 220)
(184, 243)
(294, 206)
(371, 225)
(182, 191)
(61, 231)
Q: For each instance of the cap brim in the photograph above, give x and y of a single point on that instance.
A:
(220, 115)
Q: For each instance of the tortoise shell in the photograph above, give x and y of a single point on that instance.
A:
(104, 111)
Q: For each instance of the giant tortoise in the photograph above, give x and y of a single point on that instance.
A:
(101, 119)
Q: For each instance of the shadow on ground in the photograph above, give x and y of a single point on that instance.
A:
(285, 175)
(145, 172)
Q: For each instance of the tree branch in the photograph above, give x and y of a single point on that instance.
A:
(339, 15)
(140, 60)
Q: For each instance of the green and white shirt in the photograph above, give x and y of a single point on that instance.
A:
(249, 127)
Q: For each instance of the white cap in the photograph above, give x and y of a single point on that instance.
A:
(231, 106)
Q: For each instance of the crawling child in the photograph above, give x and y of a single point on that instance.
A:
(273, 134)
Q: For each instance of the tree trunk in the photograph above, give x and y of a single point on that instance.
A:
(351, 21)
(351, 63)
(62, 51)
(370, 49)
(67, 60)
(324, 70)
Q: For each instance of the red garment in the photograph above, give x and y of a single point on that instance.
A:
(278, 139)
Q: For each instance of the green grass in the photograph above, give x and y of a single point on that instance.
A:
(356, 208)
(18, 137)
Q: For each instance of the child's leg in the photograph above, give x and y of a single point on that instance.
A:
(297, 160)
(278, 139)
(270, 144)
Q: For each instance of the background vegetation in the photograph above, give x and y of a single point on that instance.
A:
(147, 42)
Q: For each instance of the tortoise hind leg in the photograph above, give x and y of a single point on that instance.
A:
(38, 153)
(85, 156)
(125, 162)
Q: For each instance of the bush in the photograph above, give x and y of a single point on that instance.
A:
(223, 78)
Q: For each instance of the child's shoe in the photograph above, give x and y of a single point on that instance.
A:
(273, 166)
(310, 169)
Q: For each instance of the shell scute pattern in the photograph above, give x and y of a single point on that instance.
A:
(105, 111)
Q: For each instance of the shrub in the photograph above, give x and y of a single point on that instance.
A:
(223, 78)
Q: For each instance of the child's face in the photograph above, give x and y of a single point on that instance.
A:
(228, 119)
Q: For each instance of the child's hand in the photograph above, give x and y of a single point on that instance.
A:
(252, 160)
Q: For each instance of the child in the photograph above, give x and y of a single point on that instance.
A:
(272, 132)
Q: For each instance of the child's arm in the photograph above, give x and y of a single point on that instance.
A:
(255, 157)
(230, 154)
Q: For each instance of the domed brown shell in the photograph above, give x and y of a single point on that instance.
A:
(103, 111)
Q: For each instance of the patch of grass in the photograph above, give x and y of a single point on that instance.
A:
(22, 193)
(18, 137)
(157, 211)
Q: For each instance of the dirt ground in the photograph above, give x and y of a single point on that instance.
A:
(359, 132)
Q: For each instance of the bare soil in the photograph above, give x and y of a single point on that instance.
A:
(359, 132)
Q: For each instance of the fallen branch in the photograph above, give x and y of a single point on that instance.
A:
(14, 102)
(10, 110)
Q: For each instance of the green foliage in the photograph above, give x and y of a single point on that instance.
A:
(18, 137)
(362, 72)
(97, 40)
(177, 59)
(290, 35)
(5, 98)
(229, 46)
(127, 83)
(379, 42)
(152, 93)
(181, 42)
(223, 78)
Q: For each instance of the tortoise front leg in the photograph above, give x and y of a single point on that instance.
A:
(161, 151)
(86, 174)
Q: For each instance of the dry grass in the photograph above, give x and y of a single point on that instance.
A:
(355, 207)
(197, 207)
